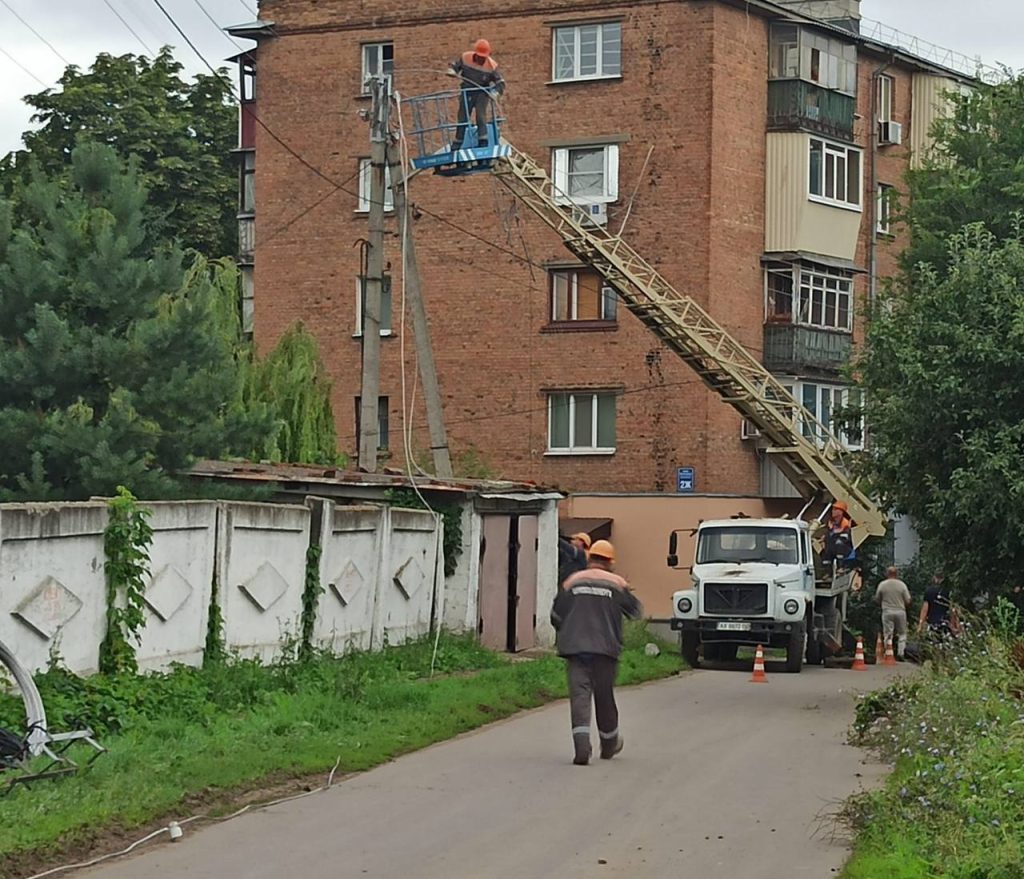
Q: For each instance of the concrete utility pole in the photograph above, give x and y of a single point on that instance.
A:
(424, 350)
(369, 439)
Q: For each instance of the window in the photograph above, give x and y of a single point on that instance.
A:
(581, 295)
(377, 58)
(796, 53)
(837, 408)
(821, 298)
(364, 188)
(247, 184)
(886, 208)
(385, 306)
(737, 544)
(886, 91)
(248, 78)
(586, 175)
(382, 422)
(835, 173)
(248, 288)
(587, 51)
(581, 423)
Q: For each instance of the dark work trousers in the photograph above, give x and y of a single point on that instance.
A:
(592, 676)
(476, 101)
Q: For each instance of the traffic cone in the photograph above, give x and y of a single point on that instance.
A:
(858, 657)
(759, 676)
(879, 649)
(890, 659)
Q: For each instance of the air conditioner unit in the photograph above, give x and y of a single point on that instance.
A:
(592, 214)
(890, 133)
(748, 431)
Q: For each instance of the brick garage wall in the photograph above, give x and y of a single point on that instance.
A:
(693, 87)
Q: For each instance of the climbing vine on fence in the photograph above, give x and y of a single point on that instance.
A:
(126, 543)
(452, 515)
(310, 599)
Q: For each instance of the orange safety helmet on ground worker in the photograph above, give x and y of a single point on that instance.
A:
(603, 549)
(583, 538)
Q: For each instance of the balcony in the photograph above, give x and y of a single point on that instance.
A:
(795, 104)
(796, 350)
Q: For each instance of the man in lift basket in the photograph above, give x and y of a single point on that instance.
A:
(479, 73)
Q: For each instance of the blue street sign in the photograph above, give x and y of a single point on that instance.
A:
(685, 479)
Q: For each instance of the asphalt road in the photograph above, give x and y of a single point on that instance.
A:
(719, 777)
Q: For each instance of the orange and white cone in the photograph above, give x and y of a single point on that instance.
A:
(759, 676)
(879, 649)
(858, 657)
(890, 659)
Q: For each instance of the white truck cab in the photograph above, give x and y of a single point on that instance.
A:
(753, 582)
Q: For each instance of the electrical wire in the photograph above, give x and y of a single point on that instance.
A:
(48, 44)
(14, 60)
(217, 73)
(248, 8)
(213, 21)
(130, 29)
(177, 824)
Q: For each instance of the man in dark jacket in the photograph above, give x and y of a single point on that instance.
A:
(479, 74)
(587, 614)
(572, 555)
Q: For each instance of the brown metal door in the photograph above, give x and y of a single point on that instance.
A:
(526, 583)
(494, 582)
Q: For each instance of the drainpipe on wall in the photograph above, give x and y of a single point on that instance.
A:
(873, 195)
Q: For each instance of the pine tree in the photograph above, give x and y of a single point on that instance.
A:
(117, 364)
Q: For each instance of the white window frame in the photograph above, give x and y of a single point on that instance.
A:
(823, 392)
(812, 290)
(248, 297)
(884, 208)
(364, 188)
(837, 156)
(886, 97)
(576, 76)
(572, 448)
(384, 298)
(247, 183)
(377, 50)
(609, 297)
(560, 161)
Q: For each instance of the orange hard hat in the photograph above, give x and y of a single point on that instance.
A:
(841, 505)
(482, 47)
(583, 538)
(603, 549)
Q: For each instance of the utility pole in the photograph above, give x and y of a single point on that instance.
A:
(373, 283)
(424, 350)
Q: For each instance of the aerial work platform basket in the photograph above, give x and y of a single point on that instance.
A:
(445, 131)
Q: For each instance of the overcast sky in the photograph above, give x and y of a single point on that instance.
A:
(79, 29)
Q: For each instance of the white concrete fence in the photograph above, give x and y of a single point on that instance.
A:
(381, 573)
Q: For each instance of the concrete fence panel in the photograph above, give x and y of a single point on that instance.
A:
(349, 576)
(52, 583)
(178, 593)
(261, 564)
(412, 571)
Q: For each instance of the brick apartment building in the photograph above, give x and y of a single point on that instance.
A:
(779, 131)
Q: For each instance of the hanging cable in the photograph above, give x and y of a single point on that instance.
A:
(43, 39)
(14, 60)
(213, 21)
(130, 29)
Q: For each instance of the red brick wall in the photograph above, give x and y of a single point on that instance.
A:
(694, 87)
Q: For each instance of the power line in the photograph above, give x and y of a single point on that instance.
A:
(131, 30)
(185, 37)
(49, 45)
(247, 7)
(14, 60)
(213, 21)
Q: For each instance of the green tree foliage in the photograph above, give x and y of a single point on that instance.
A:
(975, 174)
(293, 382)
(944, 372)
(180, 133)
(117, 363)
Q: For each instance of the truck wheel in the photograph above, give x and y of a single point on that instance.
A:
(814, 652)
(690, 644)
(795, 653)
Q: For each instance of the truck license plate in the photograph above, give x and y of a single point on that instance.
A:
(733, 627)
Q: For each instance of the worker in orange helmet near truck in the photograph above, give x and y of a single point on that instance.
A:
(479, 74)
(587, 615)
(839, 539)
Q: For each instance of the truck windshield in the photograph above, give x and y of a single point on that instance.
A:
(741, 543)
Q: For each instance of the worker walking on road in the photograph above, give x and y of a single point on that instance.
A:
(479, 74)
(894, 597)
(572, 555)
(587, 615)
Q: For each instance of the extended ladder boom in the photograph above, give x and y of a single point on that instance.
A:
(817, 472)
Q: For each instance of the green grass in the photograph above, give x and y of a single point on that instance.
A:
(954, 804)
(192, 732)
